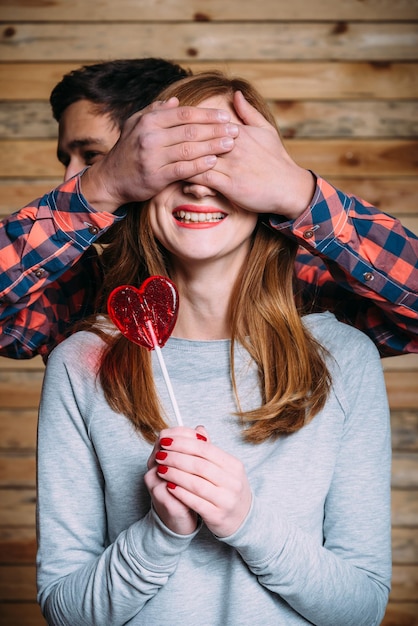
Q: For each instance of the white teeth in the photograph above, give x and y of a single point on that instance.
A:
(189, 217)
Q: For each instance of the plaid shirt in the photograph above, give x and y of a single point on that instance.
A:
(353, 260)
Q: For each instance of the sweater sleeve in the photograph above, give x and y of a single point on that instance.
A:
(82, 577)
(345, 580)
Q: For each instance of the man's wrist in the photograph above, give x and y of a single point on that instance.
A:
(96, 193)
(304, 187)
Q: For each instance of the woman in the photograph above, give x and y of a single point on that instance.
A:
(277, 510)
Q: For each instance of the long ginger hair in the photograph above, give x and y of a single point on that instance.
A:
(263, 313)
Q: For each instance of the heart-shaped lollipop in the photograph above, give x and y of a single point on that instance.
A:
(132, 310)
(146, 316)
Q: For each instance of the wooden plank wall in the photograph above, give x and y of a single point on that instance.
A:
(342, 78)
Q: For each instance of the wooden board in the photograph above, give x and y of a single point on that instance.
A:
(22, 614)
(404, 430)
(18, 429)
(18, 545)
(405, 507)
(404, 545)
(17, 507)
(267, 41)
(215, 10)
(404, 470)
(275, 79)
(401, 614)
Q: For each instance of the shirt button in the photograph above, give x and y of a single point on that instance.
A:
(368, 276)
(93, 230)
(40, 272)
(308, 234)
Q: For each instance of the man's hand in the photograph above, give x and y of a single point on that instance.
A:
(159, 145)
(258, 174)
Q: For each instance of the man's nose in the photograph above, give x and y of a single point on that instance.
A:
(74, 167)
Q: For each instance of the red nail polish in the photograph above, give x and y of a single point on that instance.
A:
(171, 485)
(161, 455)
(166, 441)
(162, 469)
(201, 437)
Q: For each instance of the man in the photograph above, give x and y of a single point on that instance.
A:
(355, 261)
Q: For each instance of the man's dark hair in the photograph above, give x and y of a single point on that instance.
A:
(119, 88)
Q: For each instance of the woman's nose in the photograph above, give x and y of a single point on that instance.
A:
(198, 191)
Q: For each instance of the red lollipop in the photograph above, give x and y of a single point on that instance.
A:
(146, 316)
(147, 313)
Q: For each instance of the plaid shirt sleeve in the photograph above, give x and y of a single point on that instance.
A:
(355, 261)
(48, 269)
(359, 263)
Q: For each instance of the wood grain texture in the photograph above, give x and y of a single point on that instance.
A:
(215, 10)
(404, 583)
(18, 471)
(405, 507)
(22, 614)
(267, 41)
(18, 545)
(18, 582)
(18, 429)
(17, 507)
(401, 614)
(275, 79)
(404, 430)
(404, 470)
(404, 545)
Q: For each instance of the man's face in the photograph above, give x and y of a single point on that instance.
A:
(84, 136)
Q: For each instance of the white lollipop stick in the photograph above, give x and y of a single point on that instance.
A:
(165, 373)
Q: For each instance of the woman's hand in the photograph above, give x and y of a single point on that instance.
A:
(173, 513)
(202, 478)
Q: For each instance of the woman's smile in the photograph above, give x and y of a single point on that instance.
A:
(191, 216)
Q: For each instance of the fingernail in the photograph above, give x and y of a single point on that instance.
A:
(162, 469)
(201, 437)
(211, 159)
(227, 142)
(171, 485)
(161, 455)
(166, 441)
(232, 129)
(223, 116)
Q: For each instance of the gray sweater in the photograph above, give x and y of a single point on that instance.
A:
(314, 548)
